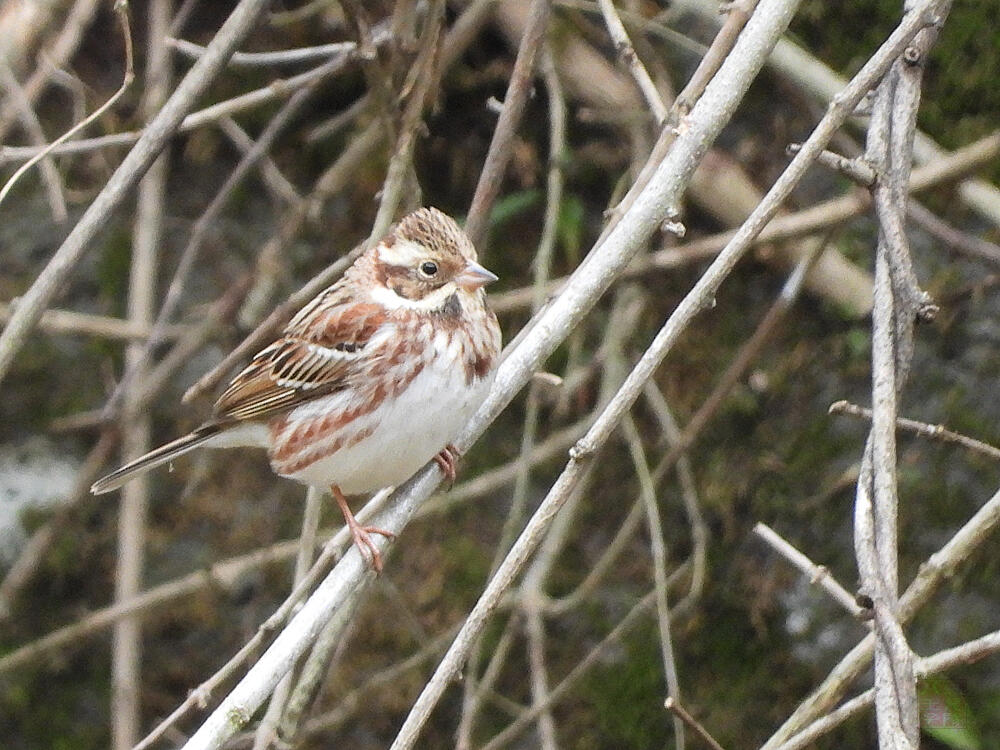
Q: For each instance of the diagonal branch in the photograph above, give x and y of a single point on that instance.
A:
(128, 173)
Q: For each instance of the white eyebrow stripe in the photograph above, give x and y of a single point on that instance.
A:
(402, 253)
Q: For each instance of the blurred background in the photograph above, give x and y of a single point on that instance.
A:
(750, 637)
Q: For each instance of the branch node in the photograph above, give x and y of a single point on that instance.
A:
(625, 52)
(238, 717)
(867, 604)
(675, 228)
(582, 450)
(864, 107)
(549, 379)
(926, 310)
(201, 696)
(680, 712)
(838, 407)
(819, 573)
(857, 170)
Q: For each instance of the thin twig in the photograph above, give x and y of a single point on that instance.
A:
(932, 431)
(491, 480)
(87, 324)
(502, 142)
(126, 655)
(937, 569)
(261, 59)
(224, 574)
(266, 733)
(128, 173)
(627, 53)
(857, 170)
(425, 78)
(955, 238)
(473, 689)
(121, 8)
(689, 494)
(722, 45)
(279, 185)
(331, 640)
(51, 178)
(55, 56)
(815, 573)
(389, 676)
(679, 711)
(658, 546)
(967, 653)
(580, 670)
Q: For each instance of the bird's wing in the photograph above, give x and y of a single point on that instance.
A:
(318, 354)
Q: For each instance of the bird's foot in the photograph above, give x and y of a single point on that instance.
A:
(362, 534)
(447, 459)
(366, 545)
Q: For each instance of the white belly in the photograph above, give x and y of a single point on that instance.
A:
(406, 432)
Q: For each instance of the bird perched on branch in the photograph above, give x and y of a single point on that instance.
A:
(370, 380)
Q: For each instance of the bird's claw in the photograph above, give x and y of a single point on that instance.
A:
(447, 460)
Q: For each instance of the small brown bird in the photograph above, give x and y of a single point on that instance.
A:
(370, 380)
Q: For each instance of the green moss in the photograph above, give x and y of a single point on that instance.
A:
(45, 710)
(961, 98)
(626, 697)
(114, 261)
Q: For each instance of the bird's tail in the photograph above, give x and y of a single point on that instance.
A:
(154, 458)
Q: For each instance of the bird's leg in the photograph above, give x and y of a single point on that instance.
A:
(447, 460)
(362, 534)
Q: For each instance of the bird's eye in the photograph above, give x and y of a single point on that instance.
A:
(428, 268)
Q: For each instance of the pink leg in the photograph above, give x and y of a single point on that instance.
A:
(362, 534)
(447, 460)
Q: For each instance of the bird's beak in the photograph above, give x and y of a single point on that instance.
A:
(474, 277)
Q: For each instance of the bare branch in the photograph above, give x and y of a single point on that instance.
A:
(936, 570)
(678, 710)
(932, 431)
(150, 143)
(126, 654)
(261, 59)
(121, 8)
(967, 653)
(510, 116)
(628, 55)
(816, 573)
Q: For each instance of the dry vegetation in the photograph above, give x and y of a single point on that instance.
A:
(707, 531)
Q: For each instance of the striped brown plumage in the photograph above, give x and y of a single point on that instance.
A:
(371, 379)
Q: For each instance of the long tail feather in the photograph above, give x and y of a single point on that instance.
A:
(154, 458)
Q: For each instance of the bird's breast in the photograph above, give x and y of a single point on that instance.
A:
(413, 400)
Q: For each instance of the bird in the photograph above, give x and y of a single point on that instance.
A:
(370, 380)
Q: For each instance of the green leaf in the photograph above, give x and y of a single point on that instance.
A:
(945, 715)
(511, 205)
(570, 227)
